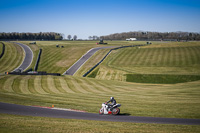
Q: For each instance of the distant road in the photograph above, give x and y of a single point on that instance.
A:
(7, 108)
(82, 60)
(27, 59)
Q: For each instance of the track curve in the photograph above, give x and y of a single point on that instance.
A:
(45, 112)
(27, 59)
(82, 60)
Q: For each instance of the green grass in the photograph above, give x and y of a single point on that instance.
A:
(24, 124)
(12, 57)
(180, 100)
(94, 73)
(58, 60)
(156, 100)
(159, 58)
(161, 79)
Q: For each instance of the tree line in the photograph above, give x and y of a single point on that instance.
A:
(69, 37)
(141, 35)
(31, 36)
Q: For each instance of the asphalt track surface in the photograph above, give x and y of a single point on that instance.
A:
(82, 60)
(7, 108)
(27, 59)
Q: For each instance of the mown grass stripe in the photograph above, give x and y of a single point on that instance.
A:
(105, 87)
(196, 51)
(127, 56)
(24, 85)
(134, 57)
(31, 86)
(98, 86)
(15, 85)
(65, 86)
(38, 85)
(58, 84)
(18, 56)
(13, 54)
(139, 56)
(8, 83)
(51, 85)
(149, 59)
(71, 85)
(191, 50)
(120, 55)
(2, 82)
(78, 87)
(45, 85)
(88, 86)
(6, 58)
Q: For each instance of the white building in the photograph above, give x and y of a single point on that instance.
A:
(131, 39)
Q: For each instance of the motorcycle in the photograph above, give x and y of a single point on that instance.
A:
(105, 109)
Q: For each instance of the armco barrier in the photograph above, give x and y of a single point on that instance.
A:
(34, 73)
(3, 50)
(107, 55)
(38, 59)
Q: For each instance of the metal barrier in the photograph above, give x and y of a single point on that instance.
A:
(38, 59)
(34, 73)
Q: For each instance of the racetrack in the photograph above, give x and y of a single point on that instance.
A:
(27, 59)
(82, 60)
(46, 112)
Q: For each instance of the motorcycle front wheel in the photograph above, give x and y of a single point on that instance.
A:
(101, 111)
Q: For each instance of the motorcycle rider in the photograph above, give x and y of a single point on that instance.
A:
(113, 102)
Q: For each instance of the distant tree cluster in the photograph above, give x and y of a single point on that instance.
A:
(31, 36)
(140, 35)
(93, 38)
(69, 37)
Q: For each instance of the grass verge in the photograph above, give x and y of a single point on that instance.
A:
(24, 124)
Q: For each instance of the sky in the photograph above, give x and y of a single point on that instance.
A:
(86, 18)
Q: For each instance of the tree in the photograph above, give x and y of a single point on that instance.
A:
(90, 37)
(69, 37)
(75, 37)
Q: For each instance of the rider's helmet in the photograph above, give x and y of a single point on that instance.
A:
(111, 98)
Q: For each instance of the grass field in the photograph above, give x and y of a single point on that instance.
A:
(180, 100)
(12, 57)
(58, 60)
(180, 58)
(16, 124)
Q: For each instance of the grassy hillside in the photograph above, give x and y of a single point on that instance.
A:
(180, 58)
(58, 60)
(179, 100)
(12, 57)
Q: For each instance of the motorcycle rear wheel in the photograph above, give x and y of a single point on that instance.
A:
(115, 111)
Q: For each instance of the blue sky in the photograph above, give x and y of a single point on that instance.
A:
(99, 17)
